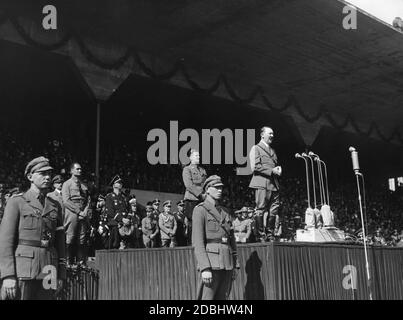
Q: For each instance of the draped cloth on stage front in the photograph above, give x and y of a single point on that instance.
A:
(287, 271)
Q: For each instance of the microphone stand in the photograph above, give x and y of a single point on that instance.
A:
(297, 155)
(357, 176)
(313, 179)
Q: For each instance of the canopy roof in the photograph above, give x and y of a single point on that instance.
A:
(289, 48)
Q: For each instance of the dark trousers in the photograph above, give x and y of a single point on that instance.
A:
(34, 290)
(267, 201)
(188, 210)
(114, 237)
(219, 288)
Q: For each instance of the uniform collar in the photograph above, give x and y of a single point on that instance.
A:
(75, 179)
(215, 210)
(32, 197)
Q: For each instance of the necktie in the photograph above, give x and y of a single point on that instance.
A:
(41, 199)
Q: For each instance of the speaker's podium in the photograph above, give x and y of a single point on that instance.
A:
(325, 234)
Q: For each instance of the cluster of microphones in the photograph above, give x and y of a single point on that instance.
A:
(318, 213)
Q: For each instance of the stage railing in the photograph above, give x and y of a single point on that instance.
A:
(81, 284)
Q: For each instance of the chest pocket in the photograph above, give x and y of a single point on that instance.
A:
(212, 225)
(30, 221)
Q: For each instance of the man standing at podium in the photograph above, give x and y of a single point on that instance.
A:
(266, 172)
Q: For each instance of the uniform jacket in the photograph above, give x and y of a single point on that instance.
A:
(75, 197)
(207, 234)
(115, 204)
(149, 226)
(56, 196)
(167, 223)
(26, 219)
(182, 223)
(193, 179)
(265, 160)
(242, 229)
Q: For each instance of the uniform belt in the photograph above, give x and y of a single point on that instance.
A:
(215, 241)
(35, 243)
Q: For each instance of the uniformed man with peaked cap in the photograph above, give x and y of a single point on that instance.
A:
(167, 224)
(182, 224)
(214, 243)
(56, 194)
(32, 239)
(149, 227)
(193, 176)
(116, 204)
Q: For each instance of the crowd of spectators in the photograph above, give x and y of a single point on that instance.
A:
(384, 216)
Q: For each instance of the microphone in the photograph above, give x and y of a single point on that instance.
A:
(311, 154)
(354, 158)
(297, 155)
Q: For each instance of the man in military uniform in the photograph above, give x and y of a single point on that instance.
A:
(116, 205)
(100, 224)
(76, 203)
(168, 226)
(149, 227)
(56, 194)
(266, 173)
(214, 243)
(136, 221)
(182, 224)
(156, 208)
(193, 178)
(32, 240)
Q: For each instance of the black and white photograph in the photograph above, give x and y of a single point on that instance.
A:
(224, 151)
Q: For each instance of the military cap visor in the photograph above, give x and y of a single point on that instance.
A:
(57, 179)
(133, 201)
(116, 179)
(39, 164)
(156, 201)
(168, 202)
(180, 203)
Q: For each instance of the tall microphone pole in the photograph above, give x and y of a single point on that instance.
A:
(298, 156)
(323, 179)
(313, 178)
(315, 157)
(327, 182)
(356, 168)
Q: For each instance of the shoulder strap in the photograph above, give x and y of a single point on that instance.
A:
(221, 225)
(264, 150)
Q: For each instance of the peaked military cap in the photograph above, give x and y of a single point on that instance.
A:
(166, 203)
(38, 165)
(212, 181)
(116, 179)
(57, 179)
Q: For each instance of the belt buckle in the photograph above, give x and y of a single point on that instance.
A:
(224, 240)
(45, 243)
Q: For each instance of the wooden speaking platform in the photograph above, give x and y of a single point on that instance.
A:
(269, 271)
